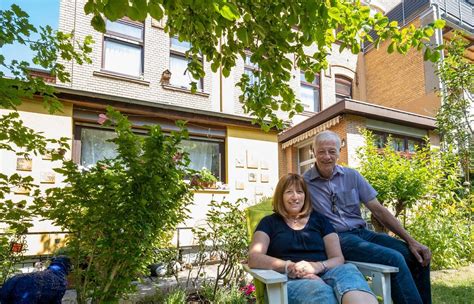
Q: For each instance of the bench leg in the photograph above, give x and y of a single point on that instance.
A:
(381, 286)
(277, 293)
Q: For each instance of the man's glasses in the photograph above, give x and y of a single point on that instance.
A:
(333, 198)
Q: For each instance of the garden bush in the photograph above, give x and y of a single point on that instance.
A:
(426, 189)
(120, 209)
(224, 238)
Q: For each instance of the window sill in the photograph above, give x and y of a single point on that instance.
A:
(112, 75)
(184, 90)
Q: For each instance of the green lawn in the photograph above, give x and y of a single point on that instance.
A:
(453, 286)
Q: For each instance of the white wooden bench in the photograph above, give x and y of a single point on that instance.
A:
(276, 289)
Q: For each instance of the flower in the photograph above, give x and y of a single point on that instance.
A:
(248, 289)
(102, 119)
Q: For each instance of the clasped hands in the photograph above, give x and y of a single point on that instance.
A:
(302, 270)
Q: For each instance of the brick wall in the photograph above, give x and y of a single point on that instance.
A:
(156, 60)
(398, 81)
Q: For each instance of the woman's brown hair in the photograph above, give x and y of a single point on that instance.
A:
(286, 181)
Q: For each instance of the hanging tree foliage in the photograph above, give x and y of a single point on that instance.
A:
(273, 32)
(454, 119)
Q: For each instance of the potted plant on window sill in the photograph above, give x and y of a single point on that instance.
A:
(204, 179)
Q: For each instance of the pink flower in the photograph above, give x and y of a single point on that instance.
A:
(248, 289)
(177, 157)
(102, 119)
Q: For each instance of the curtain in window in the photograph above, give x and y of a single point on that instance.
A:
(203, 155)
(179, 75)
(95, 147)
(309, 97)
(123, 58)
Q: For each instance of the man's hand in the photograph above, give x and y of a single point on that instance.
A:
(421, 252)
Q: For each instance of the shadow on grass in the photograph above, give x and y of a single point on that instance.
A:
(460, 294)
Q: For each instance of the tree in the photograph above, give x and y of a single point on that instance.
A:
(272, 31)
(454, 119)
(14, 136)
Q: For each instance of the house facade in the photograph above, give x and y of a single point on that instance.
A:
(141, 71)
(390, 94)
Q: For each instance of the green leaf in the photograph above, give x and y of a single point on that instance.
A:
(390, 48)
(334, 13)
(155, 10)
(429, 31)
(229, 12)
(427, 54)
(115, 9)
(435, 56)
(98, 23)
(355, 48)
(439, 24)
(243, 35)
(89, 7)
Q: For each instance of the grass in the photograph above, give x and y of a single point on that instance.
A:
(453, 286)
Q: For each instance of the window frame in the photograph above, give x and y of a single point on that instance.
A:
(405, 138)
(310, 161)
(176, 53)
(77, 145)
(316, 86)
(126, 40)
(344, 80)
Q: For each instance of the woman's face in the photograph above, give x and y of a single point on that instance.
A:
(293, 199)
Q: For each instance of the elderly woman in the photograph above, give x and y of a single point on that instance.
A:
(302, 243)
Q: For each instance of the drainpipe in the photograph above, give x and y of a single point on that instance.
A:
(221, 106)
(438, 39)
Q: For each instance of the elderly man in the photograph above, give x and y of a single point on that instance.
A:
(337, 193)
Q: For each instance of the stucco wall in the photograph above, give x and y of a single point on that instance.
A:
(52, 126)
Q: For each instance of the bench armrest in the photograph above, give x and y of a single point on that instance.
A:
(266, 276)
(374, 267)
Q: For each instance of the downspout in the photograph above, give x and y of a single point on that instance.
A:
(221, 106)
(438, 40)
(73, 41)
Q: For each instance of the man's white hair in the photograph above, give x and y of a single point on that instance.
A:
(327, 136)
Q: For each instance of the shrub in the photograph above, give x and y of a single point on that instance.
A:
(119, 210)
(224, 238)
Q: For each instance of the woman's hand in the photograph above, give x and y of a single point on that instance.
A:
(303, 270)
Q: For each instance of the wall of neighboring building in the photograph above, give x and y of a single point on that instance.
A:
(40, 168)
(399, 81)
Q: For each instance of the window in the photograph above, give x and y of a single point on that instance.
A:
(399, 143)
(180, 75)
(95, 146)
(203, 153)
(206, 154)
(306, 158)
(249, 69)
(309, 93)
(343, 88)
(123, 48)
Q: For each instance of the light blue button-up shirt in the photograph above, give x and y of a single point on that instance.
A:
(349, 188)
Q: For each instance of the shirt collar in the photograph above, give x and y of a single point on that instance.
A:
(315, 173)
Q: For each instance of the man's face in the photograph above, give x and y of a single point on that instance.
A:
(327, 154)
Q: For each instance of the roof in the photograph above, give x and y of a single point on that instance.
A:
(93, 100)
(358, 108)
